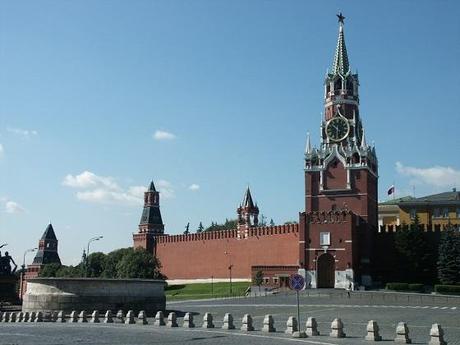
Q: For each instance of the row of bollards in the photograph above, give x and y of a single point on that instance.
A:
(337, 327)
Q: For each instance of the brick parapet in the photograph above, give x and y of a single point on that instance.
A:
(225, 234)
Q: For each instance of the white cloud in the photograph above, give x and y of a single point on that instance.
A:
(166, 189)
(437, 176)
(13, 207)
(2, 150)
(194, 187)
(105, 190)
(163, 135)
(88, 179)
(26, 133)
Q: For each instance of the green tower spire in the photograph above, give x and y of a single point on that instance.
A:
(341, 64)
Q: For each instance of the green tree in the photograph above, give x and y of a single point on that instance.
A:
(71, 271)
(49, 270)
(200, 228)
(272, 223)
(112, 260)
(449, 257)
(95, 264)
(414, 253)
(139, 263)
(258, 279)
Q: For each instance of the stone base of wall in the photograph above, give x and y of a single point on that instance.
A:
(67, 294)
(342, 278)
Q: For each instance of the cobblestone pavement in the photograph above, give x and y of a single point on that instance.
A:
(354, 312)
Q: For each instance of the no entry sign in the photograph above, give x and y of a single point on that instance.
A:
(297, 282)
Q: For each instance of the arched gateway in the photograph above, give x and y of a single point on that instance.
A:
(326, 271)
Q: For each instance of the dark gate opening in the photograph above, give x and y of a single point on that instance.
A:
(326, 271)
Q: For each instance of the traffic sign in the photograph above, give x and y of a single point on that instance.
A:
(297, 282)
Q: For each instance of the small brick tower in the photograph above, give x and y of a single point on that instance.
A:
(340, 186)
(151, 224)
(248, 214)
(47, 254)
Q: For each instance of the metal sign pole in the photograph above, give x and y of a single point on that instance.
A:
(298, 312)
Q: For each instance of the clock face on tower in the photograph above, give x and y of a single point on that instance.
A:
(337, 128)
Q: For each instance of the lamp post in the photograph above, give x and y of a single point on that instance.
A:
(3, 245)
(23, 272)
(97, 238)
(230, 272)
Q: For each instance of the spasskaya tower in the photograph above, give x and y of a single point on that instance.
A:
(341, 174)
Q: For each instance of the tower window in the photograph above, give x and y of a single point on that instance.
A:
(436, 212)
(413, 213)
(324, 238)
(338, 84)
(445, 212)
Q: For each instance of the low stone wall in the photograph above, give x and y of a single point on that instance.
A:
(67, 294)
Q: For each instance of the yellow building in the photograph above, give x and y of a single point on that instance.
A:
(434, 211)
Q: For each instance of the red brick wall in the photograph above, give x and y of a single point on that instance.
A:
(204, 255)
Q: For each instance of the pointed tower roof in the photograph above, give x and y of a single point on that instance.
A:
(49, 233)
(152, 187)
(341, 64)
(308, 149)
(363, 141)
(247, 200)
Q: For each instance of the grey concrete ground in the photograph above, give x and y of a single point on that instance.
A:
(355, 313)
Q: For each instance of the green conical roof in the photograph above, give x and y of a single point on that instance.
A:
(341, 64)
(152, 187)
(49, 233)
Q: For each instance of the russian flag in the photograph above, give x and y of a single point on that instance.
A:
(391, 190)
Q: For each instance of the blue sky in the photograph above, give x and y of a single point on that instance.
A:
(206, 97)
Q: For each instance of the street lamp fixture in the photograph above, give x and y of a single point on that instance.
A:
(23, 271)
(96, 238)
(3, 245)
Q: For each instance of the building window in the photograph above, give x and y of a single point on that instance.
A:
(445, 212)
(324, 238)
(458, 212)
(266, 280)
(413, 213)
(275, 280)
(436, 213)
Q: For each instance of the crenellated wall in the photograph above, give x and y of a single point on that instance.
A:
(210, 254)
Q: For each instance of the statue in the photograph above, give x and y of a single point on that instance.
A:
(5, 265)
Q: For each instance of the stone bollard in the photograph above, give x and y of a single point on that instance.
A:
(26, 317)
(95, 317)
(33, 316)
(13, 317)
(402, 334)
(372, 331)
(47, 317)
(268, 324)
(188, 321)
(129, 318)
(159, 319)
(172, 320)
(436, 335)
(39, 317)
(247, 323)
(60, 317)
(337, 329)
(1, 316)
(20, 316)
(228, 321)
(6, 317)
(54, 316)
(108, 317)
(82, 317)
(312, 327)
(142, 318)
(207, 321)
(120, 316)
(73, 316)
(291, 325)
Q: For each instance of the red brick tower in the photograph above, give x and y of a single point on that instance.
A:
(340, 186)
(248, 215)
(151, 224)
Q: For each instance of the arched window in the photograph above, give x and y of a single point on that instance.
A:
(338, 84)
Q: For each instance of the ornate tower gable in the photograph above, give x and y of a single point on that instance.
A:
(47, 248)
(248, 214)
(151, 221)
(343, 148)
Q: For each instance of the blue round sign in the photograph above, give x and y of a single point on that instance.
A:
(297, 282)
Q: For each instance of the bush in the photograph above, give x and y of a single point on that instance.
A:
(447, 289)
(405, 287)
(397, 286)
(416, 287)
